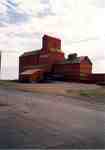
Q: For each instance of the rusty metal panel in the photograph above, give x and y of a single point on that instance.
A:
(86, 68)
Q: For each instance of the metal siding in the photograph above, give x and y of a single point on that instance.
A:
(27, 61)
(76, 72)
(51, 58)
(86, 68)
(35, 76)
(99, 77)
(50, 42)
(67, 68)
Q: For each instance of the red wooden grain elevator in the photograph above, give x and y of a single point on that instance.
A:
(50, 59)
(44, 59)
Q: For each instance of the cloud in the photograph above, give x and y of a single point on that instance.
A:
(99, 3)
(80, 25)
(11, 14)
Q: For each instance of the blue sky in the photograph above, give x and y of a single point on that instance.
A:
(79, 23)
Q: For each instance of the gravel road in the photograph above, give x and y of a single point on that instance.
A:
(49, 121)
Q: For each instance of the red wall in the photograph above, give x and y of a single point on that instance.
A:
(76, 72)
(98, 77)
(50, 42)
(94, 78)
(67, 68)
(51, 58)
(45, 57)
(25, 61)
(85, 68)
(70, 71)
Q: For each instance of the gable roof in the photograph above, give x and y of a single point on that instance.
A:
(83, 58)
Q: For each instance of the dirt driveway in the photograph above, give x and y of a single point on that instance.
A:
(49, 121)
(56, 88)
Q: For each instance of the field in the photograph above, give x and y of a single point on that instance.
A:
(86, 91)
(58, 115)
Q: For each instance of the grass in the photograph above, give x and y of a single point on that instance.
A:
(8, 83)
(52, 89)
(73, 92)
(93, 93)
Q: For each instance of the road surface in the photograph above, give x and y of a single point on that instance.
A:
(48, 121)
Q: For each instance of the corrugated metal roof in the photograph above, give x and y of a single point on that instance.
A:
(31, 71)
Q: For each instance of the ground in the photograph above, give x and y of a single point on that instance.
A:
(53, 119)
